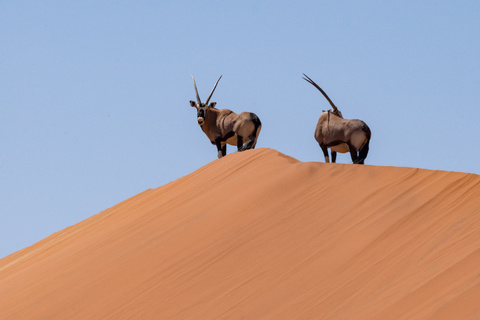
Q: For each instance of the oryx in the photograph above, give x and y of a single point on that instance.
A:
(339, 134)
(224, 126)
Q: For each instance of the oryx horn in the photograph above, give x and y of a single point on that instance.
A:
(306, 78)
(208, 99)
(196, 91)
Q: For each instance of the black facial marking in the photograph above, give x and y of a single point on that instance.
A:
(201, 113)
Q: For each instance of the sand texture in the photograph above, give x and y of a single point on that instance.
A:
(260, 235)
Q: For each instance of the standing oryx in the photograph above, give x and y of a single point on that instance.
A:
(224, 126)
(341, 135)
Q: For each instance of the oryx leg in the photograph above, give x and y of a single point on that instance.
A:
(221, 147)
(353, 152)
(363, 153)
(334, 156)
(325, 152)
(240, 143)
(252, 139)
(251, 142)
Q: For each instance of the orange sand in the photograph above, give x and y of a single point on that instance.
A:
(260, 235)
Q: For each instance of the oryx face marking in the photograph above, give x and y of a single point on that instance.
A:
(202, 110)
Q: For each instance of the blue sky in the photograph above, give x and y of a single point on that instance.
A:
(94, 94)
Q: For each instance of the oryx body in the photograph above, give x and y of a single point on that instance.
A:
(224, 126)
(339, 134)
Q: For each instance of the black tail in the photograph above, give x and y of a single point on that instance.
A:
(362, 155)
(252, 141)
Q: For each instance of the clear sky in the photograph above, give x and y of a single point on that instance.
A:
(94, 95)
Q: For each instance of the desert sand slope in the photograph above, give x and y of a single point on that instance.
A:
(260, 235)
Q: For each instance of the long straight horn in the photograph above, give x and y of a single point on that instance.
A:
(206, 102)
(306, 78)
(196, 91)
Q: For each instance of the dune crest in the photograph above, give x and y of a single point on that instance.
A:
(261, 235)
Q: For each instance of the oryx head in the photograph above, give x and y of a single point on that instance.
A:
(335, 109)
(202, 108)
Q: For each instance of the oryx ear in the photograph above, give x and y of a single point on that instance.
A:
(212, 105)
(192, 103)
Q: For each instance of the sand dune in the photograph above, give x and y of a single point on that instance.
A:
(260, 235)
